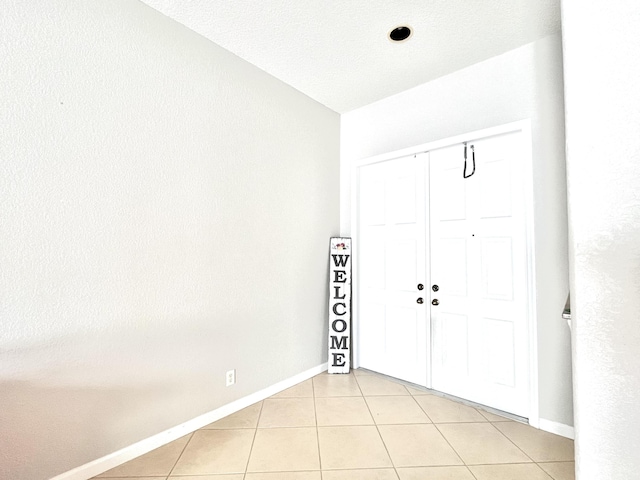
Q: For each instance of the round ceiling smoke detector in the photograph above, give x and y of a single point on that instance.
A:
(400, 34)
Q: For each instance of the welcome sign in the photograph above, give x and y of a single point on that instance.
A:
(339, 305)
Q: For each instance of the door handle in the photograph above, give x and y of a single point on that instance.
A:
(435, 302)
(435, 288)
(420, 286)
(420, 301)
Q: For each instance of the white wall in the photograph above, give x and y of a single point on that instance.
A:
(524, 83)
(165, 211)
(602, 67)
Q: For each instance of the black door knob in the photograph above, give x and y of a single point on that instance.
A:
(435, 302)
(435, 288)
(420, 301)
(420, 286)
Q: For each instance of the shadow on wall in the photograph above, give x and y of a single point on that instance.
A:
(44, 422)
(76, 399)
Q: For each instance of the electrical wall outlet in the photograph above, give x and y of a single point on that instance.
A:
(231, 377)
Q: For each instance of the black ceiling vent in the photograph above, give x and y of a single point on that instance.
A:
(400, 34)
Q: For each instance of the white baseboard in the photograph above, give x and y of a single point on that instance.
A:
(96, 467)
(557, 428)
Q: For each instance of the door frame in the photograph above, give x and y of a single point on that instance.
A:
(523, 127)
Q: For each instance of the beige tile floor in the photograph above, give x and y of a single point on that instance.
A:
(360, 426)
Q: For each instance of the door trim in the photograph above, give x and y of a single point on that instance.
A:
(523, 126)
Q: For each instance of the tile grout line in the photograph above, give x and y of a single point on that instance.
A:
(422, 409)
(497, 464)
(253, 441)
(452, 448)
(547, 473)
(470, 471)
(505, 464)
(557, 461)
(483, 418)
(458, 400)
(488, 464)
(445, 438)
(315, 415)
(181, 453)
(514, 443)
(393, 465)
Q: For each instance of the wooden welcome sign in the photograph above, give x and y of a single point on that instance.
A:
(339, 305)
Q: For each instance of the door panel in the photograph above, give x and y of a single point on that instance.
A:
(401, 200)
(401, 257)
(479, 328)
(372, 255)
(392, 245)
(497, 268)
(451, 351)
(372, 189)
(453, 254)
(404, 321)
(499, 351)
(495, 202)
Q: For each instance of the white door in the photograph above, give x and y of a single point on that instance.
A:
(480, 336)
(392, 263)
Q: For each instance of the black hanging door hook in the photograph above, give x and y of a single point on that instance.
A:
(473, 157)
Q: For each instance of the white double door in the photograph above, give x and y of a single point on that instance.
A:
(442, 278)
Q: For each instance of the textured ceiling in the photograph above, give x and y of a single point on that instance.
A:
(337, 51)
